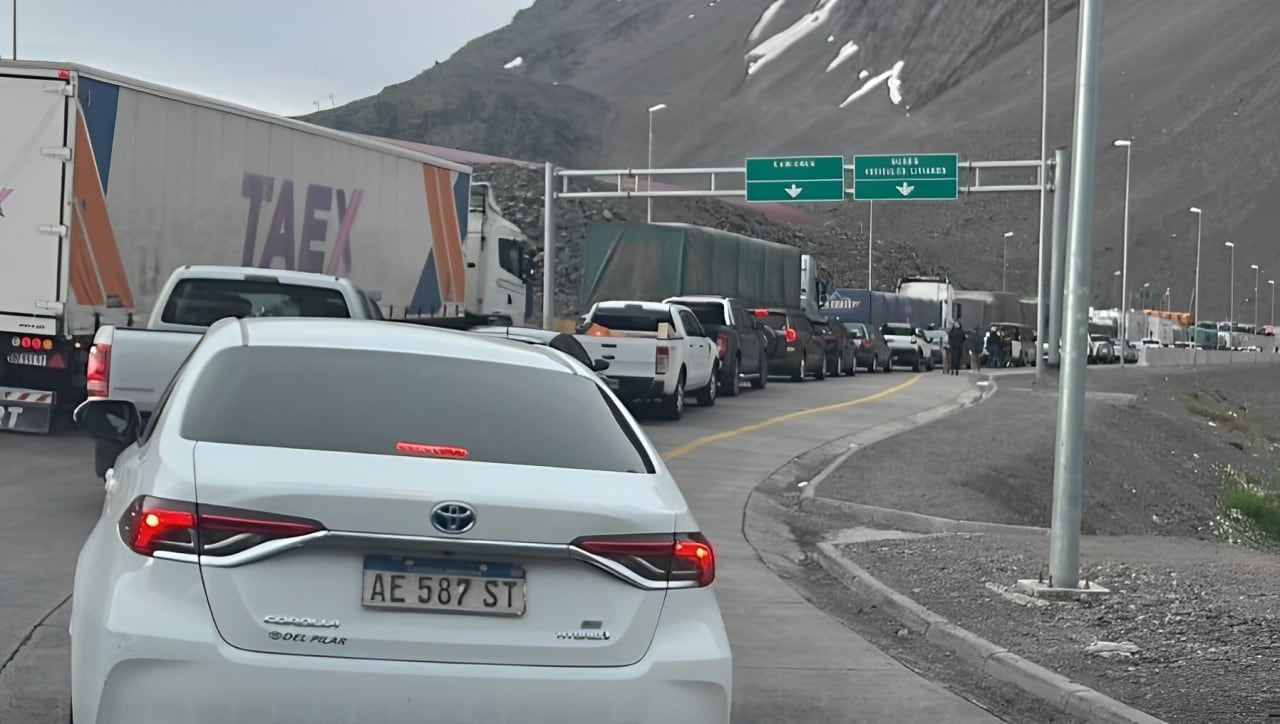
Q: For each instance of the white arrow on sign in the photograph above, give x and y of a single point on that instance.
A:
(794, 191)
(905, 189)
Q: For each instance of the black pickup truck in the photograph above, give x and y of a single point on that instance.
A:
(743, 341)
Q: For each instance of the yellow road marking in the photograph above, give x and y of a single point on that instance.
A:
(692, 445)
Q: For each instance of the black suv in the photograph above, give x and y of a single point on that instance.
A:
(800, 352)
(840, 353)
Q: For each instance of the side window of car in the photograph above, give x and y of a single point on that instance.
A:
(161, 406)
(691, 324)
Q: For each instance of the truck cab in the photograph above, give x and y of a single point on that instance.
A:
(499, 260)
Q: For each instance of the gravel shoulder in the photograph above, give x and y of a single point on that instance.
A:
(1198, 617)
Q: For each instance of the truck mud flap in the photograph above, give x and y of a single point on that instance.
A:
(25, 410)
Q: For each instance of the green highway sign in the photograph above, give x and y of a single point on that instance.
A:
(907, 177)
(795, 178)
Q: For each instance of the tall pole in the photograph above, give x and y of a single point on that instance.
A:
(871, 235)
(648, 184)
(1272, 282)
(1058, 273)
(1195, 293)
(1231, 310)
(1064, 540)
(1256, 274)
(549, 250)
(1004, 263)
(1124, 263)
(1042, 275)
(15, 29)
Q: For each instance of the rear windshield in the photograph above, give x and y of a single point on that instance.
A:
(201, 302)
(855, 330)
(362, 401)
(898, 330)
(707, 313)
(630, 320)
(776, 321)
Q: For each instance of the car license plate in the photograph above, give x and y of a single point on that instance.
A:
(408, 583)
(27, 358)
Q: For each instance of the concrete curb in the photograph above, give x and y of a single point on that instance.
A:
(872, 515)
(999, 663)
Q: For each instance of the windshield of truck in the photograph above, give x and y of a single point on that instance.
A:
(308, 399)
(628, 319)
(201, 302)
(707, 312)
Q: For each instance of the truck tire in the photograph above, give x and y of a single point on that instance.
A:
(821, 374)
(707, 395)
(733, 385)
(888, 363)
(799, 375)
(673, 404)
(915, 363)
(826, 364)
(871, 364)
(762, 379)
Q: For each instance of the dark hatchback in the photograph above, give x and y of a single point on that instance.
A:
(800, 352)
(869, 347)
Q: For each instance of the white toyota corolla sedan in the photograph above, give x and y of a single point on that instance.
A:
(358, 521)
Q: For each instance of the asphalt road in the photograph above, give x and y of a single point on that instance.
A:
(793, 663)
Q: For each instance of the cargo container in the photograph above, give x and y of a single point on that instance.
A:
(870, 307)
(651, 262)
(108, 184)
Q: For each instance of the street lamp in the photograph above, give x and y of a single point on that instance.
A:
(1004, 263)
(1231, 311)
(1272, 282)
(1256, 274)
(1196, 293)
(649, 177)
(1127, 145)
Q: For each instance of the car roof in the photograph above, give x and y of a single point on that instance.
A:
(531, 333)
(647, 306)
(379, 336)
(680, 299)
(214, 271)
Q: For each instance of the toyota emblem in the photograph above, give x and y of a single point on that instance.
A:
(453, 517)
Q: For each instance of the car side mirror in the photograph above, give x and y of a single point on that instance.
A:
(600, 365)
(113, 421)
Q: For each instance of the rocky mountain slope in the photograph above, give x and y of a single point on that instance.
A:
(1197, 85)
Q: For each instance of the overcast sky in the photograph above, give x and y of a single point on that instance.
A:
(275, 55)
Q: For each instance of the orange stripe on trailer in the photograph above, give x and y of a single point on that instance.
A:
(99, 257)
(437, 233)
(453, 232)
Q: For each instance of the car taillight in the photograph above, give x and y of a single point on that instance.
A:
(791, 335)
(33, 343)
(722, 343)
(98, 375)
(660, 360)
(155, 525)
(683, 560)
(864, 343)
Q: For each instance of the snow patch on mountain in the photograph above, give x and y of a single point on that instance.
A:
(846, 52)
(892, 78)
(778, 43)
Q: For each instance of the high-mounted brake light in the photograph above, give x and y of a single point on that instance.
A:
(722, 344)
(153, 525)
(64, 74)
(438, 451)
(661, 360)
(761, 312)
(683, 560)
(98, 374)
(791, 335)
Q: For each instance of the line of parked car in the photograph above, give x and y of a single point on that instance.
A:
(704, 346)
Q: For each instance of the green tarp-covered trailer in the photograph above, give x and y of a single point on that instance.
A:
(650, 262)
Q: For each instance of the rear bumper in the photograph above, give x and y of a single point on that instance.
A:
(26, 410)
(637, 388)
(145, 659)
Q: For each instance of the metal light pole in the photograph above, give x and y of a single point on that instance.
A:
(15, 29)
(1231, 310)
(1272, 282)
(1195, 294)
(1119, 297)
(1068, 469)
(1127, 145)
(549, 248)
(649, 177)
(1256, 274)
(1044, 268)
(1004, 263)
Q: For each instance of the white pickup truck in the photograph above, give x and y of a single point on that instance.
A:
(137, 364)
(656, 352)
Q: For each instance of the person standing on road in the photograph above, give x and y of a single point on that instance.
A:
(955, 344)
